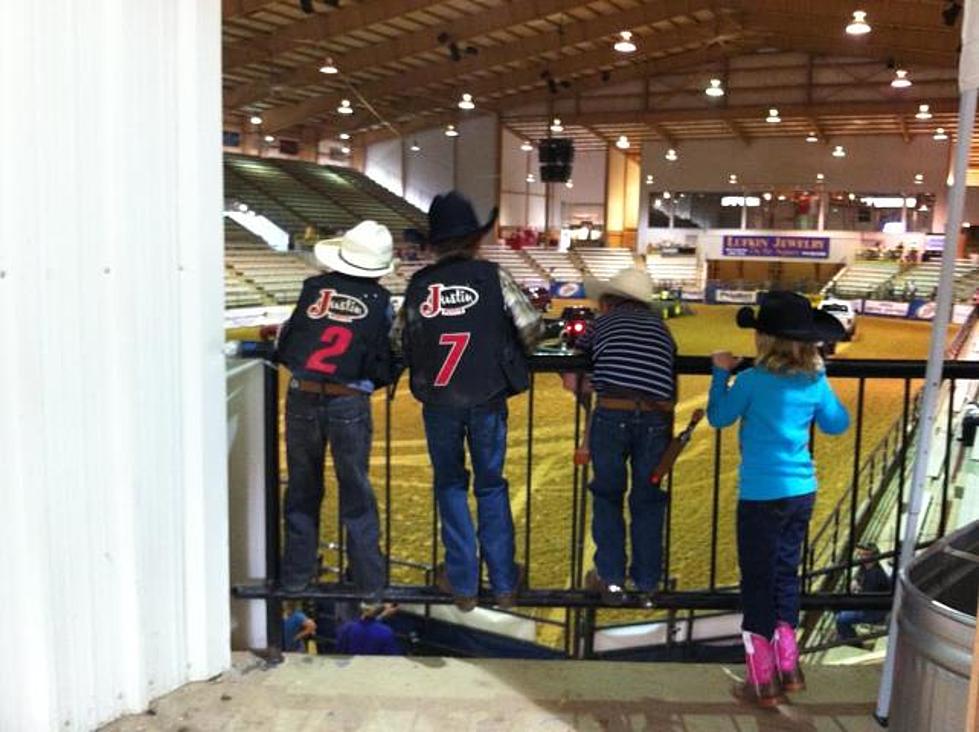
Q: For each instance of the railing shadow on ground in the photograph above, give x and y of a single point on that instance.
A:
(828, 549)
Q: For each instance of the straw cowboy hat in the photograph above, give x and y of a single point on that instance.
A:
(630, 283)
(791, 316)
(366, 250)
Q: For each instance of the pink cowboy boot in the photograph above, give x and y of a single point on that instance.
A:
(787, 657)
(761, 683)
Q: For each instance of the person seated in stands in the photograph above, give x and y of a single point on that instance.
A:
(870, 577)
(368, 635)
(336, 346)
(466, 328)
(297, 628)
(632, 355)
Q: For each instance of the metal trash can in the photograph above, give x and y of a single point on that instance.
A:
(937, 625)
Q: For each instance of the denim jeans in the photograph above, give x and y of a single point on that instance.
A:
(345, 423)
(846, 619)
(770, 537)
(637, 439)
(484, 428)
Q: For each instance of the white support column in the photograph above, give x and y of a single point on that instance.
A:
(112, 426)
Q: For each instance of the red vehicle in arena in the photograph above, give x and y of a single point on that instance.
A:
(539, 296)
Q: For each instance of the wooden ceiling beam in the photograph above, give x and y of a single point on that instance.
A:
(482, 88)
(409, 44)
(898, 14)
(663, 133)
(903, 124)
(738, 131)
(488, 58)
(316, 28)
(237, 8)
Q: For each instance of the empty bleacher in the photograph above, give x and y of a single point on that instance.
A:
(668, 272)
(925, 276)
(865, 279)
(277, 276)
(516, 262)
(555, 265)
(605, 262)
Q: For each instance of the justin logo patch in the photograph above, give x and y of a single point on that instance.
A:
(448, 300)
(337, 306)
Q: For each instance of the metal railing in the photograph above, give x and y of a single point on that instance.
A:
(828, 550)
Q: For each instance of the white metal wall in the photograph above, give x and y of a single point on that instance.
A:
(113, 495)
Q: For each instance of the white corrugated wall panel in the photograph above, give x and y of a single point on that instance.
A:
(113, 526)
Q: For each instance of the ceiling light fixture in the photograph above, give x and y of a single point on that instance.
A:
(531, 178)
(940, 134)
(859, 25)
(345, 107)
(667, 195)
(919, 178)
(625, 43)
(671, 155)
(901, 80)
(329, 67)
(715, 89)
(255, 119)
(773, 117)
(852, 196)
(622, 143)
(242, 207)
(924, 112)
(345, 150)
(767, 196)
(839, 152)
(344, 136)
(451, 131)
(820, 177)
(467, 102)
(781, 197)
(526, 146)
(649, 179)
(732, 179)
(270, 138)
(812, 137)
(556, 125)
(415, 147)
(569, 183)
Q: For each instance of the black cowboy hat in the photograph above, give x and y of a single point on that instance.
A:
(790, 316)
(451, 216)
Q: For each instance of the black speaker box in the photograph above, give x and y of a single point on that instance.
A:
(556, 159)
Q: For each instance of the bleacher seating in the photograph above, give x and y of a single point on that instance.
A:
(277, 276)
(864, 279)
(555, 265)
(296, 195)
(605, 262)
(674, 272)
(925, 277)
(516, 262)
(239, 293)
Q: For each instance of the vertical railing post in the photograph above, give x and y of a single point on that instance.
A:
(715, 507)
(902, 473)
(530, 479)
(943, 519)
(855, 487)
(273, 513)
(388, 400)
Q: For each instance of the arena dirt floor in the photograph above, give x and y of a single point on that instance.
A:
(548, 507)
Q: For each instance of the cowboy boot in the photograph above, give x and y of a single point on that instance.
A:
(787, 657)
(761, 681)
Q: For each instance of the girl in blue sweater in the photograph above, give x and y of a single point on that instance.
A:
(777, 400)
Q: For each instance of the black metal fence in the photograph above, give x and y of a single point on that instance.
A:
(828, 550)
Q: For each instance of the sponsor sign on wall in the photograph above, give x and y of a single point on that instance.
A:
(925, 310)
(793, 247)
(567, 289)
(742, 297)
(886, 307)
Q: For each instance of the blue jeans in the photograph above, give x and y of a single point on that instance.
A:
(846, 619)
(484, 428)
(638, 439)
(345, 423)
(770, 538)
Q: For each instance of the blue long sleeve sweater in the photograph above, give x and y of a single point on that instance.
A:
(776, 412)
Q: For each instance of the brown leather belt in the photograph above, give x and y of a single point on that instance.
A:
(322, 387)
(622, 404)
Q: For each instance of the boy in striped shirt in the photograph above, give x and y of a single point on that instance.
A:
(632, 355)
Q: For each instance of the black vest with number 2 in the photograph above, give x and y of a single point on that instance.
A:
(339, 331)
(460, 341)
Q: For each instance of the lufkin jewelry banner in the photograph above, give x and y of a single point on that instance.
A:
(795, 247)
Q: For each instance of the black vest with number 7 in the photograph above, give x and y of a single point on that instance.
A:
(460, 342)
(339, 331)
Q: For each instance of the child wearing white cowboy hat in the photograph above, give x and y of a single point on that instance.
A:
(632, 354)
(336, 345)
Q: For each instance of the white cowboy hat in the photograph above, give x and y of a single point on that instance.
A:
(366, 250)
(631, 283)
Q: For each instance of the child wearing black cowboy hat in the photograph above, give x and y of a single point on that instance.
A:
(777, 400)
(465, 328)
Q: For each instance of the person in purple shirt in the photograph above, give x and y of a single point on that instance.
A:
(777, 401)
(368, 635)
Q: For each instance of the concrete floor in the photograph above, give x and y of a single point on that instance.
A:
(325, 693)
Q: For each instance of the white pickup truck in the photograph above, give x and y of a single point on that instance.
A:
(843, 311)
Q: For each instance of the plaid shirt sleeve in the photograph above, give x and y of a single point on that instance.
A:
(526, 318)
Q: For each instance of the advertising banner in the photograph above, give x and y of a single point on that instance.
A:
(886, 307)
(793, 247)
(925, 310)
(570, 290)
(740, 297)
